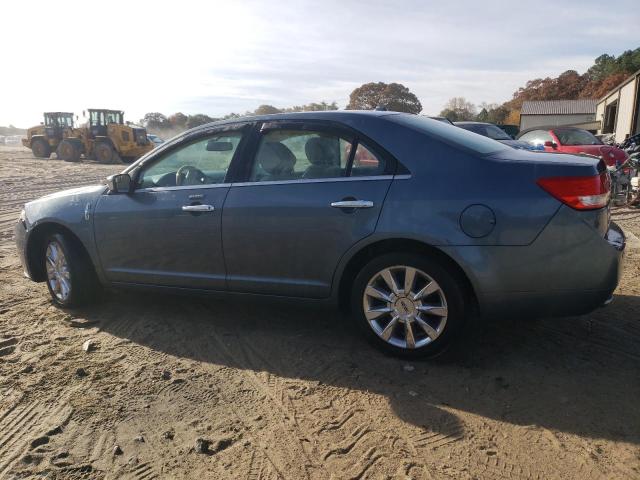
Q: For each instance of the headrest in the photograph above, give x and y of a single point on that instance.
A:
(322, 151)
(276, 158)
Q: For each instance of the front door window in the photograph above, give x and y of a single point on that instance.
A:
(203, 162)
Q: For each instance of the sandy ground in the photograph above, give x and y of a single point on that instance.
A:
(275, 391)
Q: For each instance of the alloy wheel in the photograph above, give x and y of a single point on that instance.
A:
(58, 275)
(405, 307)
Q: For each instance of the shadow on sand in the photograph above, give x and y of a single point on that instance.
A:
(576, 375)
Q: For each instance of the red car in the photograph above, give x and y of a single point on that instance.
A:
(572, 140)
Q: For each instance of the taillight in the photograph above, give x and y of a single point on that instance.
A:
(581, 193)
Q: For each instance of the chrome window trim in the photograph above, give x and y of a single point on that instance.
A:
(368, 178)
(315, 180)
(183, 187)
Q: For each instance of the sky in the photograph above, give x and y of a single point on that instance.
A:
(216, 57)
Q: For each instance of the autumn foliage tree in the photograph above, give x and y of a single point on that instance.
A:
(607, 72)
(392, 96)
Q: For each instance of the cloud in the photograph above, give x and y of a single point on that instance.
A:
(217, 57)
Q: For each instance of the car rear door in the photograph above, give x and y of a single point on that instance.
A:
(167, 232)
(308, 194)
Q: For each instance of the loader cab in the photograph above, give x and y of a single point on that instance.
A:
(100, 119)
(56, 122)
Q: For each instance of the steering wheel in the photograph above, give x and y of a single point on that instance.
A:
(188, 175)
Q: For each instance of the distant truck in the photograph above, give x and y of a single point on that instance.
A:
(105, 138)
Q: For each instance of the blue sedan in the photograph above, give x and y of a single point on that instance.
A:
(411, 224)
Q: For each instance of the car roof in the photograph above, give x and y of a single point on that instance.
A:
(336, 115)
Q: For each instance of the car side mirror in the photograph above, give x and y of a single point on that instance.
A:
(119, 183)
(551, 144)
(216, 146)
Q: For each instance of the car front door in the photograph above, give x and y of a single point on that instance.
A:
(166, 232)
(309, 193)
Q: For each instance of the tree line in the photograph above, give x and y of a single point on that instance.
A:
(606, 73)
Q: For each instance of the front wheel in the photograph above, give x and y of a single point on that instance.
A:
(409, 305)
(40, 148)
(70, 277)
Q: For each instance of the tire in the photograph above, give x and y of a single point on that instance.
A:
(40, 148)
(442, 307)
(105, 153)
(71, 281)
(68, 151)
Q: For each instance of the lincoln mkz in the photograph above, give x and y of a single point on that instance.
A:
(410, 224)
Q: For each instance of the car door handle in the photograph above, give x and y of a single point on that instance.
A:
(352, 204)
(198, 208)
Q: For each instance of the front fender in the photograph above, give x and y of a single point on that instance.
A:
(71, 210)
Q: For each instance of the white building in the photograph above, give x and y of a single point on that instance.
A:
(618, 110)
(555, 113)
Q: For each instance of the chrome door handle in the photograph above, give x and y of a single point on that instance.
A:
(352, 204)
(198, 208)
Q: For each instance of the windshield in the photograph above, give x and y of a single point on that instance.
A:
(101, 117)
(450, 133)
(58, 120)
(485, 130)
(113, 117)
(576, 137)
(496, 133)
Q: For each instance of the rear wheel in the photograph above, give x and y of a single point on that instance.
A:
(40, 148)
(105, 153)
(68, 151)
(408, 304)
(71, 279)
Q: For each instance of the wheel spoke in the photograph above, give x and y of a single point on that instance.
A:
(409, 279)
(428, 329)
(64, 288)
(440, 311)
(428, 289)
(388, 330)
(408, 331)
(52, 253)
(390, 281)
(375, 293)
(375, 313)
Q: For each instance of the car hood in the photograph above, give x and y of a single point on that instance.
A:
(67, 207)
(519, 144)
(89, 190)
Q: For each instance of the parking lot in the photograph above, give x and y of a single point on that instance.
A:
(175, 387)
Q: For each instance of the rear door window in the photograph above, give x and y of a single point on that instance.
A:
(300, 154)
(366, 163)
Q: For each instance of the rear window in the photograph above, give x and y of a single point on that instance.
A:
(576, 137)
(450, 134)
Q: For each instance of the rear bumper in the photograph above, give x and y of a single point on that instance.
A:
(572, 268)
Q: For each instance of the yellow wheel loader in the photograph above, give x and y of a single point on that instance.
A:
(105, 138)
(46, 137)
